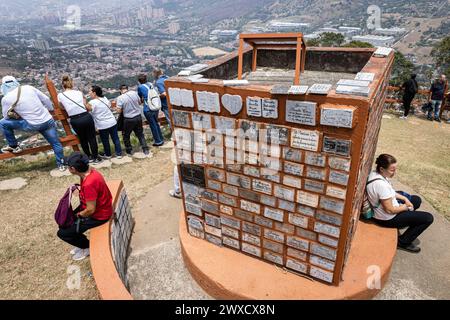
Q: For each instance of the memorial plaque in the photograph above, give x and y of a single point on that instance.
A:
(195, 223)
(196, 233)
(296, 265)
(225, 125)
(215, 151)
(214, 240)
(239, 181)
(298, 90)
(329, 218)
(274, 214)
(250, 207)
(270, 163)
(252, 171)
(286, 205)
(252, 229)
(328, 241)
(250, 146)
(243, 215)
(298, 220)
(321, 262)
(365, 76)
(234, 156)
(270, 108)
(231, 142)
(340, 117)
(354, 91)
(323, 251)
(215, 174)
(226, 210)
(293, 155)
(295, 169)
(353, 83)
(249, 195)
(275, 258)
(231, 190)
(200, 159)
(273, 151)
(277, 135)
(214, 185)
(228, 200)
(305, 139)
(297, 254)
(208, 101)
(193, 209)
(308, 199)
(280, 89)
(321, 274)
(301, 112)
(263, 222)
(292, 182)
(339, 164)
(187, 98)
(320, 88)
(251, 158)
(336, 192)
(314, 186)
(192, 190)
(229, 242)
(232, 103)
(262, 186)
(254, 251)
(274, 235)
(215, 162)
(332, 205)
(214, 231)
(315, 159)
(237, 168)
(329, 145)
(306, 234)
(250, 130)
(270, 175)
(307, 211)
(297, 243)
(268, 201)
(193, 174)
(254, 107)
(181, 119)
(212, 220)
(184, 156)
(343, 147)
(230, 222)
(184, 139)
(284, 227)
(249, 238)
(383, 52)
(230, 232)
(209, 195)
(327, 229)
(316, 173)
(175, 96)
(273, 246)
(284, 193)
(201, 121)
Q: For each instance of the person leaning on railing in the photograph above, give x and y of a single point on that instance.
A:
(436, 97)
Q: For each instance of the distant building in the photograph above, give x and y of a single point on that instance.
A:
(288, 26)
(98, 52)
(350, 31)
(389, 31)
(41, 45)
(174, 27)
(377, 41)
(323, 30)
(224, 34)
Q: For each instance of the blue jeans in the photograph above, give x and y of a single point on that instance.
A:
(47, 129)
(165, 110)
(152, 118)
(104, 136)
(435, 107)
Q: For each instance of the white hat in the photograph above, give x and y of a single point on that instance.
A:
(8, 79)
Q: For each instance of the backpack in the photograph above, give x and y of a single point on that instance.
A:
(64, 214)
(367, 210)
(153, 99)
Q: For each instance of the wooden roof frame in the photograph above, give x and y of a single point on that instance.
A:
(279, 41)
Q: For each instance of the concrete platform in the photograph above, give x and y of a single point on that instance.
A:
(227, 274)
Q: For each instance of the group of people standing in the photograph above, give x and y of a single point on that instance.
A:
(26, 108)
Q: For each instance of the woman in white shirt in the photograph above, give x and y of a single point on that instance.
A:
(81, 121)
(396, 209)
(105, 122)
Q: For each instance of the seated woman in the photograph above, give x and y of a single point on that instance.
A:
(105, 122)
(396, 209)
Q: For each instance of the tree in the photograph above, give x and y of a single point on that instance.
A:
(331, 39)
(441, 55)
(402, 69)
(357, 44)
(313, 43)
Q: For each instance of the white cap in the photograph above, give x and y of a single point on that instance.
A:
(8, 79)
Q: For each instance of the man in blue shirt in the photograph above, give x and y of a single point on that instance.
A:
(151, 116)
(161, 78)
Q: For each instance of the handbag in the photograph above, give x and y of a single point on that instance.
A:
(368, 210)
(12, 114)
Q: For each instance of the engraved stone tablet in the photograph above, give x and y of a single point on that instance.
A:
(214, 139)
(230, 222)
(275, 258)
(254, 107)
(263, 222)
(193, 209)
(323, 251)
(252, 239)
(343, 147)
(270, 163)
(239, 180)
(353, 83)
(231, 190)
(297, 243)
(298, 220)
(306, 234)
(314, 186)
(250, 249)
(226, 210)
(214, 231)
(298, 90)
(296, 266)
(252, 171)
(293, 168)
(315, 159)
(274, 214)
(329, 145)
(336, 192)
(328, 241)
(230, 232)
(274, 235)
(273, 151)
(249, 130)
(356, 91)
(210, 207)
(316, 173)
(187, 98)
(215, 174)
(250, 207)
(305, 139)
(196, 233)
(320, 88)
(284, 193)
(328, 218)
(211, 184)
(175, 96)
(270, 175)
(308, 199)
(339, 163)
(231, 243)
(201, 121)
(209, 195)
(292, 182)
(321, 274)
(280, 89)
(365, 76)
(214, 240)
(273, 246)
(193, 174)
(301, 112)
(300, 255)
(267, 200)
(208, 101)
(290, 154)
(307, 211)
(327, 229)
(270, 108)
(249, 195)
(228, 200)
(195, 223)
(225, 125)
(181, 119)
(277, 135)
(243, 215)
(262, 186)
(232, 103)
(286, 205)
(332, 205)
(321, 262)
(285, 228)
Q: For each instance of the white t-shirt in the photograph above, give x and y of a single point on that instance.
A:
(74, 107)
(130, 102)
(33, 105)
(381, 190)
(102, 114)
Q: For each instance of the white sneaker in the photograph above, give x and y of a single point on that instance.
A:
(404, 118)
(174, 194)
(74, 251)
(11, 149)
(81, 255)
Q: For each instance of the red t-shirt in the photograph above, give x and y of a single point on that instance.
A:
(94, 188)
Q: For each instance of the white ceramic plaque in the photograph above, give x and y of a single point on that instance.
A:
(296, 266)
(320, 88)
(308, 199)
(337, 117)
(321, 262)
(365, 76)
(201, 121)
(175, 96)
(353, 83)
(254, 251)
(327, 229)
(305, 139)
(321, 274)
(298, 220)
(270, 108)
(232, 103)
(301, 112)
(208, 101)
(254, 107)
(350, 90)
(187, 98)
(274, 214)
(298, 90)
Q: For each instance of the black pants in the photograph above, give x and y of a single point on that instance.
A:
(133, 125)
(84, 127)
(104, 136)
(75, 234)
(407, 100)
(416, 221)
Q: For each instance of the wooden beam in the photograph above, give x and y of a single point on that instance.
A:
(298, 61)
(255, 59)
(241, 59)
